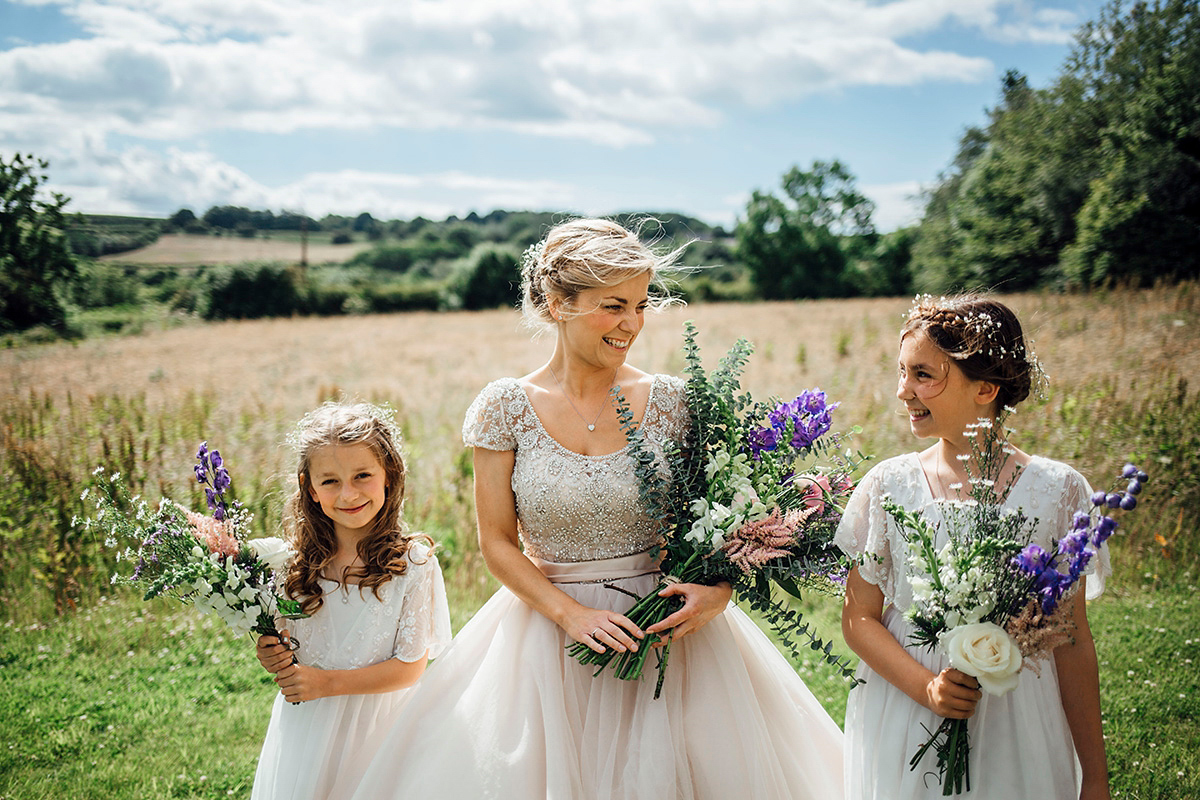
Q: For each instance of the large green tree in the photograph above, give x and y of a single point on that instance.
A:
(800, 245)
(1093, 179)
(35, 257)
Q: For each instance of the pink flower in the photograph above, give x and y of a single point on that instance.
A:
(217, 535)
(756, 543)
(817, 489)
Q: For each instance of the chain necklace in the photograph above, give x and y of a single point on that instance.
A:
(591, 426)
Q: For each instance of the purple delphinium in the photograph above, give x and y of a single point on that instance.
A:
(1076, 549)
(810, 415)
(211, 464)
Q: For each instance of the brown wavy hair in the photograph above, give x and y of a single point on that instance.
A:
(384, 550)
(983, 336)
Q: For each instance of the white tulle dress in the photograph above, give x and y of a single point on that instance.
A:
(318, 750)
(1021, 745)
(507, 713)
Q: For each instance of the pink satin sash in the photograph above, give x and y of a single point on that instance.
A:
(592, 571)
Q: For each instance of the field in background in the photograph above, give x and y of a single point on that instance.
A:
(185, 249)
(136, 699)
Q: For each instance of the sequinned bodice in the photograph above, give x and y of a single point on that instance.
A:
(573, 507)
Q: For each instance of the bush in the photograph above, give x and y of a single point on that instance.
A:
(251, 292)
(494, 280)
(100, 285)
(404, 297)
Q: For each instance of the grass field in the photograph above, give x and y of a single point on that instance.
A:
(185, 249)
(102, 696)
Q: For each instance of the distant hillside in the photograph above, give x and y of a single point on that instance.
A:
(185, 249)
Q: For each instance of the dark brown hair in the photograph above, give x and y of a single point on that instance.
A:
(984, 338)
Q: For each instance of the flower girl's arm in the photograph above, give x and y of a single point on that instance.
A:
(300, 683)
(1079, 685)
(949, 693)
(496, 513)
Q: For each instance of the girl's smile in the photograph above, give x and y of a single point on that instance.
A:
(348, 483)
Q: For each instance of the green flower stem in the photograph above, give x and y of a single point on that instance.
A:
(648, 610)
(953, 747)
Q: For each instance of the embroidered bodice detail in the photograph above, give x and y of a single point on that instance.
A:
(1046, 491)
(353, 629)
(570, 506)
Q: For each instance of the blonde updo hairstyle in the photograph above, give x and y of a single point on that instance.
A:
(984, 337)
(587, 254)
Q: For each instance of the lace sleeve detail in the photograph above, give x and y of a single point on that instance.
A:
(863, 534)
(424, 622)
(487, 422)
(666, 417)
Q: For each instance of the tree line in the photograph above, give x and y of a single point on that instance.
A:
(1092, 180)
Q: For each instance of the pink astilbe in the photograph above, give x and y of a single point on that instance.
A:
(756, 543)
(217, 535)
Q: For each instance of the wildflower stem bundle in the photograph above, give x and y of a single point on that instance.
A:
(751, 496)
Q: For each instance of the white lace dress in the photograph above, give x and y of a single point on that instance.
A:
(1021, 746)
(507, 713)
(317, 750)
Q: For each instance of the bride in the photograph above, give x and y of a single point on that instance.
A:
(506, 712)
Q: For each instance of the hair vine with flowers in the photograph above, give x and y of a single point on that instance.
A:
(752, 496)
(383, 412)
(989, 597)
(982, 333)
(204, 561)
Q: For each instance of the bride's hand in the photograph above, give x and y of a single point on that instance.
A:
(600, 630)
(700, 604)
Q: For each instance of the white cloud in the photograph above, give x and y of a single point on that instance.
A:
(897, 205)
(618, 73)
(613, 72)
(138, 180)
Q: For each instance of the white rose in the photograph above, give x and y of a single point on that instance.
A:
(271, 550)
(985, 651)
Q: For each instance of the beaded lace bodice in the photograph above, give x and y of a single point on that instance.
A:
(572, 507)
(353, 629)
(1047, 492)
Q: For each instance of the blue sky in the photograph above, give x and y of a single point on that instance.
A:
(442, 107)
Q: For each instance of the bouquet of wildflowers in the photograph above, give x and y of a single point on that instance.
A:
(742, 499)
(203, 560)
(988, 596)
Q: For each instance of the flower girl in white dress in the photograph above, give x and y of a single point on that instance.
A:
(962, 359)
(377, 605)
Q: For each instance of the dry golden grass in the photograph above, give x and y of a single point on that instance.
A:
(185, 249)
(430, 365)
(241, 384)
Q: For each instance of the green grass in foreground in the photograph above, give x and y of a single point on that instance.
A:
(134, 700)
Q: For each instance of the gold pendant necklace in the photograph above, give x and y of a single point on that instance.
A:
(591, 426)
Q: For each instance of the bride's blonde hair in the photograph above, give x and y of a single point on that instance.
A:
(587, 254)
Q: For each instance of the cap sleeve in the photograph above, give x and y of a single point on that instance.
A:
(863, 533)
(424, 623)
(1077, 496)
(487, 423)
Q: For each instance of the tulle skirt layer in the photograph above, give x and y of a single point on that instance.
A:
(507, 713)
(1020, 743)
(318, 750)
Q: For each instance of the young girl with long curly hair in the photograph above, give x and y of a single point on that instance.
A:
(375, 602)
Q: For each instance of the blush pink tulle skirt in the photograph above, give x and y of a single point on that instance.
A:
(506, 713)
